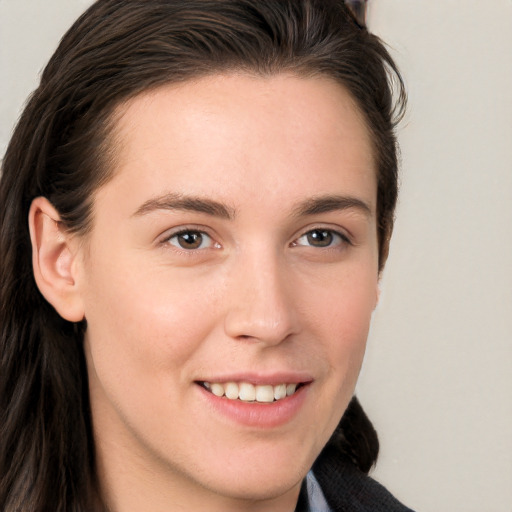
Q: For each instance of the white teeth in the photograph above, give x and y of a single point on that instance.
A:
(231, 390)
(290, 389)
(249, 392)
(280, 391)
(265, 394)
(217, 389)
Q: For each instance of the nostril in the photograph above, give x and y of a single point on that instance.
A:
(267, 316)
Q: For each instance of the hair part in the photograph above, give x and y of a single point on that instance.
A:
(64, 148)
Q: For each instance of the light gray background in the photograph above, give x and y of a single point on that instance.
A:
(437, 381)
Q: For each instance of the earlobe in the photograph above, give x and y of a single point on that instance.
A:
(54, 260)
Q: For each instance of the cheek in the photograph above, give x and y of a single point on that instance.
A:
(351, 318)
(344, 308)
(343, 301)
(340, 321)
(142, 328)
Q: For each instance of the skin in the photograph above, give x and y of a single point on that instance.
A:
(256, 295)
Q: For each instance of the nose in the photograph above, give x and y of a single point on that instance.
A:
(261, 306)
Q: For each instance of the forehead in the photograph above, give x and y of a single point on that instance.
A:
(228, 133)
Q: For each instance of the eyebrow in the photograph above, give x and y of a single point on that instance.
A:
(187, 203)
(325, 204)
(313, 206)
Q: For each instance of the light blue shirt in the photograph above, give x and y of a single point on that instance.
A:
(316, 498)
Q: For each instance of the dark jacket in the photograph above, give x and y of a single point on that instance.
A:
(347, 489)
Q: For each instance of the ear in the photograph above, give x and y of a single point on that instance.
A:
(54, 260)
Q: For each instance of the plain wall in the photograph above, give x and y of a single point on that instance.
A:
(437, 381)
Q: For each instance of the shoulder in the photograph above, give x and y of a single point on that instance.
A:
(347, 489)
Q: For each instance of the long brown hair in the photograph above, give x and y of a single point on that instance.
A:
(62, 149)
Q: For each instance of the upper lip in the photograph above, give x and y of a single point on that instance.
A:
(261, 379)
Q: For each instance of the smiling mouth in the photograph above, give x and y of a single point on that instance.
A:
(247, 392)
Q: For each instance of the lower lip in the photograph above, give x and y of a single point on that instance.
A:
(254, 414)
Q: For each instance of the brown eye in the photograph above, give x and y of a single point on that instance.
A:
(322, 238)
(191, 240)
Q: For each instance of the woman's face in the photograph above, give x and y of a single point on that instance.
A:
(234, 252)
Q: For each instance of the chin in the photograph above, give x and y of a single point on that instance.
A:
(262, 488)
(262, 476)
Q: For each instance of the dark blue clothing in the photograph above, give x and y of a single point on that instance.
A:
(347, 489)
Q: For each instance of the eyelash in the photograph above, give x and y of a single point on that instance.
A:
(342, 239)
(190, 231)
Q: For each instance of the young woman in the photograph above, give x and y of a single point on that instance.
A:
(196, 206)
